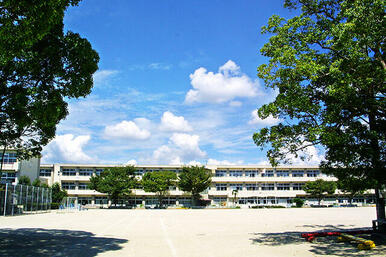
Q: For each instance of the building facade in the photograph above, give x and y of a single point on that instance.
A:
(13, 168)
(245, 186)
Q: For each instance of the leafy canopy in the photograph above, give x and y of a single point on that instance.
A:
(40, 66)
(116, 182)
(319, 188)
(159, 182)
(194, 180)
(328, 67)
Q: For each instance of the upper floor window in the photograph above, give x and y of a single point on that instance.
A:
(267, 173)
(221, 173)
(251, 173)
(45, 173)
(68, 185)
(98, 171)
(85, 172)
(313, 173)
(297, 186)
(297, 173)
(269, 186)
(282, 173)
(235, 173)
(251, 187)
(69, 172)
(283, 186)
(83, 186)
(236, 187)
(221, 187)
(9, 158)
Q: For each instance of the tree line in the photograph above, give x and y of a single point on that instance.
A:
(118, 182)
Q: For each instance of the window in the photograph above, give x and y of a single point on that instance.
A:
(282, 173)
(9, 158)
(83, 186)
(267, 187)
(251, 173)
(221, 187)
(236, 186)
(84, 200)
(235, 173)
(68, 185)
(45, 173)
(297, 186)
(267, 173)
(172, 188)
(313, 173)
(8, 177)
(98, 171)
(221, 173)
(297, 173)
(69, 172)
(218, 199)
(251, 187)
(101, 200)
(139, 172)
(283, 186)
(85, 172)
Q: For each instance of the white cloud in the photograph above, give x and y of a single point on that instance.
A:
(223, 162)
(131, 162)
(220, 87)
(194, 163)
(67, 148)
(170, 122)
(101, 75)
(159, 66)
(269, 121)
(181, 148)
(126, 130)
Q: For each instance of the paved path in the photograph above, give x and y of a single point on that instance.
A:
(182, 233)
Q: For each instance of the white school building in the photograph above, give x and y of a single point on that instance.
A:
(242, 185)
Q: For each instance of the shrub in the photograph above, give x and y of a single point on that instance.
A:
(299, 202)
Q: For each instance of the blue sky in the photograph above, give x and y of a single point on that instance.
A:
(176, 83)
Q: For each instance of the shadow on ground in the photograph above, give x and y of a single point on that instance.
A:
(322, 245)
(53, 242)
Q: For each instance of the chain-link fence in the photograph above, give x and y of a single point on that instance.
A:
(22, 199)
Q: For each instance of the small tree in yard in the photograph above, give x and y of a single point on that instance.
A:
(299, 202)
(57, 195)
(352, 187)
(194, 180)
(159, 182)
(116, 182)
(319, 188)
(24, 180)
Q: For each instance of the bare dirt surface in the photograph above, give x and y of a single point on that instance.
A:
(185, 233)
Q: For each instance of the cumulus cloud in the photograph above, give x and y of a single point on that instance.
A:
(224, 86)
(67, 148)
(126, 130)
(101, 75)
(223, 162)
(181, 148)
(308, 156)
(131, 162)
(235, 103)
(269, 121)
(171, 122)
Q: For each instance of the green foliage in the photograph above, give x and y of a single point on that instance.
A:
(328, 67)
(299, 202)
(159, 182)
(116, 182)
(352, 186)
(57, 195)
(40, 66)
(194, 180)
(319, 188)
(24, 180)
(36, 183)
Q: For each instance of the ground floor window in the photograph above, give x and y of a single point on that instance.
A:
(84, 200)
(101, 200)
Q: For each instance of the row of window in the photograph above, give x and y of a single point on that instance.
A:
(262, 186)
(9, 158)
(267, 173)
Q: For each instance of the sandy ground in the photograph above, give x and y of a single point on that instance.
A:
(184, 233)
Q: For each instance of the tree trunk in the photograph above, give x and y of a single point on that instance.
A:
(380, 206)
(160, 201)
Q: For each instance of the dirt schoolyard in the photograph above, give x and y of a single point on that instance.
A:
(184, 233)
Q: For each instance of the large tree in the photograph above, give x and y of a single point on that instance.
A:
(40, 66)
(194, 180)
(116, 182)
(159, 182)
(327, 66)
(319, 188)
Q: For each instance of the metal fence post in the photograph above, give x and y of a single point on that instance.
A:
(5, 200)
